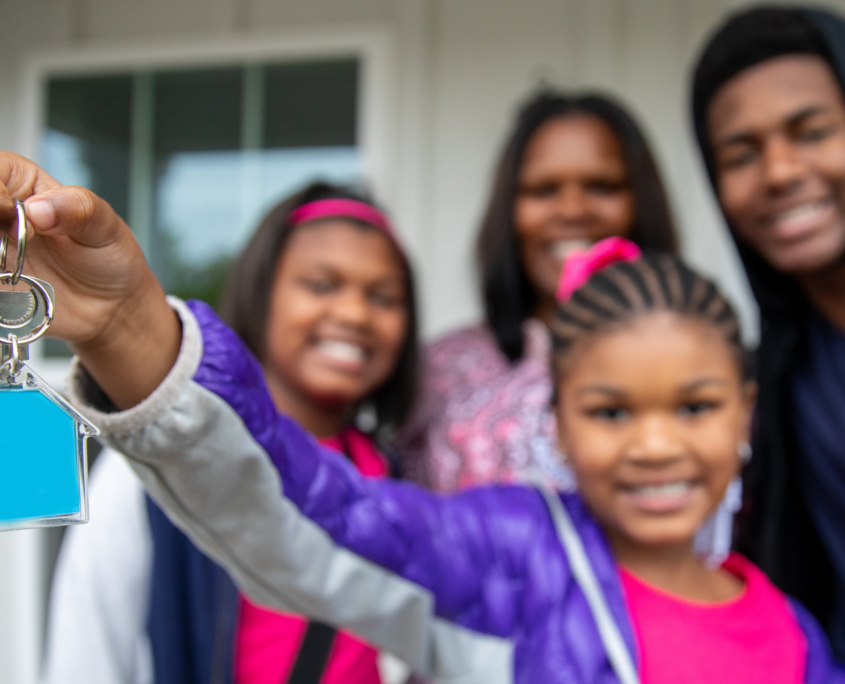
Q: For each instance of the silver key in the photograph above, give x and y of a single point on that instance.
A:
(23, 312)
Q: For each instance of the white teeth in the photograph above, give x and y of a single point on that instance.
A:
(802, 212)
(342, 351)
(669, 490)
(564, 248)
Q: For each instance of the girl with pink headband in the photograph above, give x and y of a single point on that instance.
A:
(323, 295)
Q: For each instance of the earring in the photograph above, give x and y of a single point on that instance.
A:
(744, 451)
(366, 419)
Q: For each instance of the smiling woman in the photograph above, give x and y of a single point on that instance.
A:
(574, 189)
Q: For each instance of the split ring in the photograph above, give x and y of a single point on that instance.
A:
(38, 331)
(21, 247)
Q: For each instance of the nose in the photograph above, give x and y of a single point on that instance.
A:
(571, 205)
(352, 307)
(783, 165)
(655, 442)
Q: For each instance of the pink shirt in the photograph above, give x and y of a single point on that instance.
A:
(482, 419)
(268, 642)
(754, 638)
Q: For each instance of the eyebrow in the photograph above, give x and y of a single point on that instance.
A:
(602, 389)
(327, 266)
(794, 118)
(611, 391)
(703, 382)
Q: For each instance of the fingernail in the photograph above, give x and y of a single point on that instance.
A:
(41, 214)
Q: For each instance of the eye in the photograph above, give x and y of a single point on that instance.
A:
(696, 408)
(539, 190)
(320, 286)
(739, 158)
(811, 134)
(386, 300)
(606, 187)
(610, 414)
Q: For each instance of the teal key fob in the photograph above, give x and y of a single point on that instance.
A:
(43, 459)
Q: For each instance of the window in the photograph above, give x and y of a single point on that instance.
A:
(193, 158)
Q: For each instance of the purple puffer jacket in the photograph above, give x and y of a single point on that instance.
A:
(474, 587)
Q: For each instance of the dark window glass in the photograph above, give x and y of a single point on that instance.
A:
(197, 111)
(197, 125)
(311, 104)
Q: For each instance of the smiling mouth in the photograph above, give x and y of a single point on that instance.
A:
(660, 498)
(800, 220)
(342, 353)
(563, 248)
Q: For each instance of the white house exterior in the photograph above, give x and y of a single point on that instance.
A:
(438, 87)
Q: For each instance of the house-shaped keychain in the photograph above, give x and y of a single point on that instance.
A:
(43, 459)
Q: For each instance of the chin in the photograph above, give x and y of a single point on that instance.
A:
(334, 394)
(544, 282)
(659, 533)
(663, 539)
(806, 260)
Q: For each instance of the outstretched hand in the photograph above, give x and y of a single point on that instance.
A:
(109, 306)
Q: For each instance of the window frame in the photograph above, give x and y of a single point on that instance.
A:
(371, 44)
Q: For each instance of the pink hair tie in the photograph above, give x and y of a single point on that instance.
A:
(581, 264)
(341, 208)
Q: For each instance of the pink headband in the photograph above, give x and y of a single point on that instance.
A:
(345, 208)
(580, 265)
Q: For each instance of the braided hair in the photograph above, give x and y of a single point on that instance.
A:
(626, 290)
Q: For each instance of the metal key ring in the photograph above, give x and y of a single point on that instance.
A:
(11, 367)
(21, 251)
(6, 279)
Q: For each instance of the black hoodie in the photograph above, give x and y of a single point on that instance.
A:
(775, 530)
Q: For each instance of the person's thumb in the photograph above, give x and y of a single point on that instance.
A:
(75, 212)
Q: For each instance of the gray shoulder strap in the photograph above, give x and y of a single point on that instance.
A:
(582, 571)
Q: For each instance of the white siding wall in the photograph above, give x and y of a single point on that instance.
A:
(456, 71)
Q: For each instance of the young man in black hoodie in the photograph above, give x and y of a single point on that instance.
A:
(769, 115)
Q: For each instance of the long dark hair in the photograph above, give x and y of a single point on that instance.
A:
(245, 304)
(508, 296)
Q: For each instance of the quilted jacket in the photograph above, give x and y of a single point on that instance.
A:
(474, 587)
